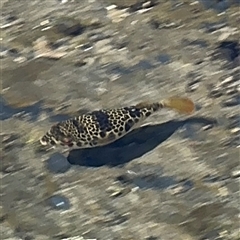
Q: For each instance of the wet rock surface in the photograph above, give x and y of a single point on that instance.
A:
(176, 177)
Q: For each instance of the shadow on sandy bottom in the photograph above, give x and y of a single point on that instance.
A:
(133, 145)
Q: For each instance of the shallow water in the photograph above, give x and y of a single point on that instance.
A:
(174, 176)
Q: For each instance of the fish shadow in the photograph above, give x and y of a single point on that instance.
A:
(133, 145)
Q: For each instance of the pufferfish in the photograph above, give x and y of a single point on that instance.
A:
(102, 127)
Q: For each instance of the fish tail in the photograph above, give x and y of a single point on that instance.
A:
(182, 105)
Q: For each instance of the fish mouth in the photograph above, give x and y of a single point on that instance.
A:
(47, 140)
(43, 141)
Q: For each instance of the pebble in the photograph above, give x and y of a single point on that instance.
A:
(59, 202)
(192, 85)
(213, 179)
(193, 82)
(212, 27)
(80, 63)
(62, 42)
(235, 173)
(13, 52)
(227, 81)
(229, 50)
(58, 163)
(223, 191)
(111, 7)
(64, 1)
(116, 191)
(181, 187)
(154, 24)
(207, 127)
(224, 36)
(103, 46)
(78, 238)
(86, 47)
(44, 23)
(231, 91)
(152, 238)
(42, 48)
(142, 6)
(233, 121)
(215, 93)
(198, 43)
(94, 37)
(11, 21)
(68, 26)
(116, 15)
(3, 52)
(113, 219)
(235, 130)
(231, 142)
(231, 102)
(20, 59)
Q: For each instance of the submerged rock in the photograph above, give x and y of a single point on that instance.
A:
(59, 202)
(57, 163)
(229, 50)
(69, 26)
